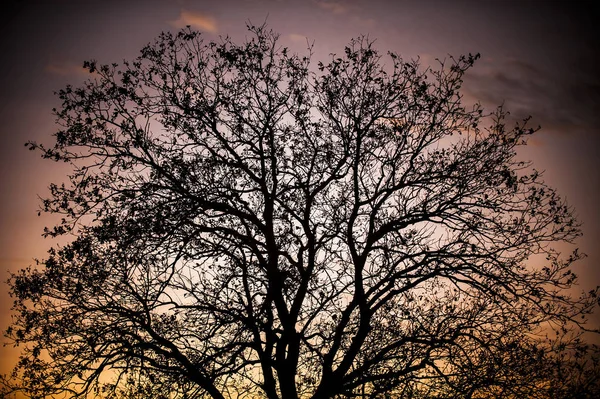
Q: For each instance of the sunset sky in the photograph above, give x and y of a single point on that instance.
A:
(539, 58)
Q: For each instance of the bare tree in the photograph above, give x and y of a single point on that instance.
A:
(245, 226)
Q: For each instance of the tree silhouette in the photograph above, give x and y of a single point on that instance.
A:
(245, 224)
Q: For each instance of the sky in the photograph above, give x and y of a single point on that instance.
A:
(538, 58)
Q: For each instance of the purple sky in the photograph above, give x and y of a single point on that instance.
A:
(539, 58)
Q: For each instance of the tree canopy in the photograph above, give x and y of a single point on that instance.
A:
(245, 223)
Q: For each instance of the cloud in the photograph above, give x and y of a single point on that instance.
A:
(333, 6)
(197, 20)
(65, 68)
(355, 12)
(559, 102)
(297, 38)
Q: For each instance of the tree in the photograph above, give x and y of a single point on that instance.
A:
(245, 226)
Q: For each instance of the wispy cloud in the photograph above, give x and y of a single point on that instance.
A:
(297, 38)
(197, 20)
(558, 103)
(335, 7)
(356, 14)
(65, 68)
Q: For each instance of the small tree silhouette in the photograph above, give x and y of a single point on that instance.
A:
(246, 226)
